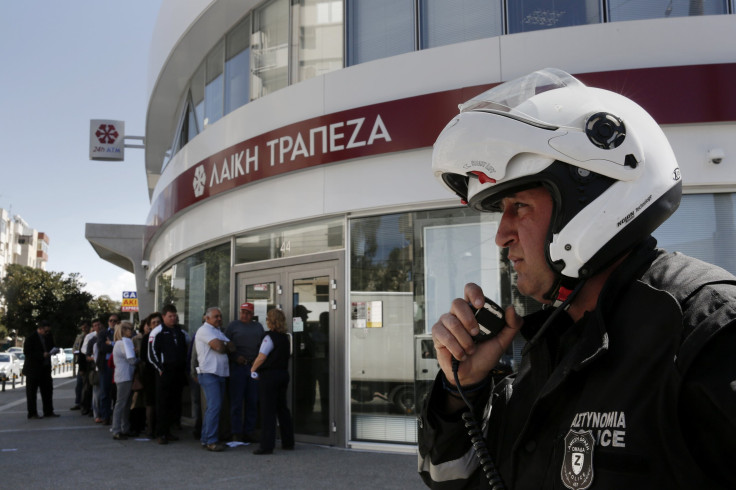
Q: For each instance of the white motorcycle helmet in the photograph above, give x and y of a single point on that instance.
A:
(610, 170)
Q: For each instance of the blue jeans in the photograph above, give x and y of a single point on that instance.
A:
(243, 388)
(214, 391)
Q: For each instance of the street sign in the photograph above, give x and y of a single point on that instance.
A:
(130, 301)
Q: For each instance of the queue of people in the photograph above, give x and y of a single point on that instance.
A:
(133, 381)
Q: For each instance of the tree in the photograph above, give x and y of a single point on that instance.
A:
(31, 295)
(102, 306)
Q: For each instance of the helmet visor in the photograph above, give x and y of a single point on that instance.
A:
(509, 99)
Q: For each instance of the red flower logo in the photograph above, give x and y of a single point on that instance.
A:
(107, 134)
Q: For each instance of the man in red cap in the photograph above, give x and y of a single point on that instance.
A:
(246, 334)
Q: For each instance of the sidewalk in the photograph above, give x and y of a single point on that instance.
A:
(61, 371)
(71, 450)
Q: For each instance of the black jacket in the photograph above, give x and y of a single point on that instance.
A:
(104, 350)
(35, 363)
(278, 358)
(167, 348)
(640, 386)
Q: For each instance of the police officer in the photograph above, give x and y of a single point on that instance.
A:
(625, 377)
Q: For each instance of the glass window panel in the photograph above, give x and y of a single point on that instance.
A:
(317, 38)
(405, 270)
(238, 38)
(165, 292)
(379, 28)
(710, 224)
(455, 255)
(192, 128)
(237, 83)
(166, 159)
(197, 91)
(647, 9)
(263, 296)
(199, 114)
(237, 67)
(453, 21)
(196, 283)
(214, 88)
(534, 15)
(290, 241)
(381, 253)
(270, 48)
(187, 129)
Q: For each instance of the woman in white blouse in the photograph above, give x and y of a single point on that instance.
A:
(125, 360)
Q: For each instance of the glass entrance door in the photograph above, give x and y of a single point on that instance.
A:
(307, 294)
(311, 373)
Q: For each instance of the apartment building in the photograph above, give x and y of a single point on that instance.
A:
(21, 244)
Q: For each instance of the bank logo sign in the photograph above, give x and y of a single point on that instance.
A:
(368, 131)
(293, 149)
(106, 140)
(199, 180)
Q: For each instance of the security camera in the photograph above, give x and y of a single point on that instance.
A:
(716, 155)
(145, 264)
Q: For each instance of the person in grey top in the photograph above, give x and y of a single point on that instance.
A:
(246, 334)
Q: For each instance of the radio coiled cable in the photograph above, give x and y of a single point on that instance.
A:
(476, 437)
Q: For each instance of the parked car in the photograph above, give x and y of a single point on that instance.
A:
(9, 366)
(59, 358)
(15, 350)
(21, 360)
(69, 355)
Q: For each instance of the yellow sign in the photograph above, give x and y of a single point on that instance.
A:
(130, 301)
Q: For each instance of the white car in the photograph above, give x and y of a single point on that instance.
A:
(9, 366)
(21, 360)
(58, 359)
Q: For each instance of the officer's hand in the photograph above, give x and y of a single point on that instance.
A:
(452, 337)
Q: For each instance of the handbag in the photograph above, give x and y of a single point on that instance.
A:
(94, 377)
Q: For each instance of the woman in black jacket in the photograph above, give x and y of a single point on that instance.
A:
(271, 369)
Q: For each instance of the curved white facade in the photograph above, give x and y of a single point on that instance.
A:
(699, 115)
(639, 44)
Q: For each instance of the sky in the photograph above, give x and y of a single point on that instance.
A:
(62, 64)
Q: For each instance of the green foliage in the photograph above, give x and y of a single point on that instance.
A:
(31, 295)
(102, 306)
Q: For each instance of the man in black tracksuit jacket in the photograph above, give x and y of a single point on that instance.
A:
(628, 377)
(167, 351)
